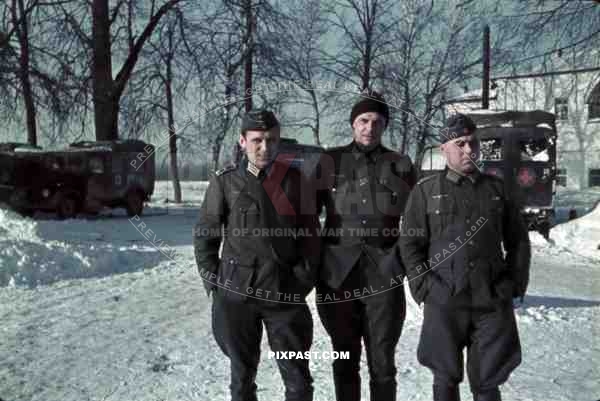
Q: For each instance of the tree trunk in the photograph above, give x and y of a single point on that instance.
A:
(216, 150)
(247, 11)
(317, 127)
(172, 132)
(22, 31)
(106, 108)
(366, 75)
(107, 91)
(405, 108)
(421, 144)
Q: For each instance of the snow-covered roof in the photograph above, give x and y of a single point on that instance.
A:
(471, 96)
(126, 145)
(512, 118)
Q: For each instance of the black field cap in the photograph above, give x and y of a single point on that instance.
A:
(457, 125)
(259, 120)
(370, 101)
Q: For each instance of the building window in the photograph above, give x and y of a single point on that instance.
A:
(561, 108)
(593, 102)
(594, 110)
(594, 177)
(561, 177)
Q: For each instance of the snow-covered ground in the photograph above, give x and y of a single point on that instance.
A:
(93, 310)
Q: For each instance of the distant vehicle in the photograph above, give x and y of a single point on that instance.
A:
(303, 157)
(85, 177)
(519, 147)
(16, 146)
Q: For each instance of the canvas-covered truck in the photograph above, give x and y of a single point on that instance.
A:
(520, 148)
(84, 177)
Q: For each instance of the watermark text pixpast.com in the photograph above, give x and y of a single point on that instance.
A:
(315, 355)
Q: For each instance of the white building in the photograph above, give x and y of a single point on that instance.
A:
(575, 100)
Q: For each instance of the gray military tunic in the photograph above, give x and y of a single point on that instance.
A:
(267, 267)
(468, 257)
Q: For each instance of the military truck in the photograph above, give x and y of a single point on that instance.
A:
(520, 148)
(85, 177)
(301, 156)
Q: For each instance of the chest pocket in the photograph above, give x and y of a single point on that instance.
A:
(247, 213)
(494, 208)
(441, 211)
(339, 193)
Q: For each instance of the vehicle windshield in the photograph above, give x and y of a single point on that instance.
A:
(534, 150)
(491, 149)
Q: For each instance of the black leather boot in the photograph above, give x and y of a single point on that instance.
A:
(488, 395)
(383, 390)
(345, 389)
(445, 393)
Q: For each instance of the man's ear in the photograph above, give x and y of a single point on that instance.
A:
(242, 141)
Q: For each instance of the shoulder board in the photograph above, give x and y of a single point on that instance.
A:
(425, 179)
(225, 169)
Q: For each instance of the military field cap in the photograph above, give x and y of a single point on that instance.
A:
(457, 125)
(370, 101)
(259, 120)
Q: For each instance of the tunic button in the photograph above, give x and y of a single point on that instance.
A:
(471, 264)
(364, 201)
(333, 189)
(468, 221)
(363, 221)
(437, 211)
(231, 261)
(471, 243)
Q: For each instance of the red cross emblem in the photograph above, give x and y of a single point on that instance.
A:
(526, 177)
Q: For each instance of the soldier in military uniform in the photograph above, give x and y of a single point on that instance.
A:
(364, 187)
(268, 263)
(457, 267)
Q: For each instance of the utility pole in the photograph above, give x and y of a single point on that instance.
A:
(485, 85)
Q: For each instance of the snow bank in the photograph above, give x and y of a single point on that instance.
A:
(577, 237)
(27, 259)
(192, 192)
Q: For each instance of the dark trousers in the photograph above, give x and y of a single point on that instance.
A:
(489, 335)
(378, 321)
(238, 329)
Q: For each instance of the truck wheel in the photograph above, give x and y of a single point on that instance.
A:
(544, 229)
(19, 202)
(67, 206)
(134, 203)
(26, 212)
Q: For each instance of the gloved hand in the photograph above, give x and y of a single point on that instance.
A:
(208, 286)
(517, 302)
(306, 275)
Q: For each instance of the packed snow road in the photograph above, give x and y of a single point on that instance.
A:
(105, 310)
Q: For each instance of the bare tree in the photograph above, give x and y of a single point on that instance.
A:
(366, 26)
(295, 61)
(107, 91)
(436, 54)
(20, 22)
(31, 69)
